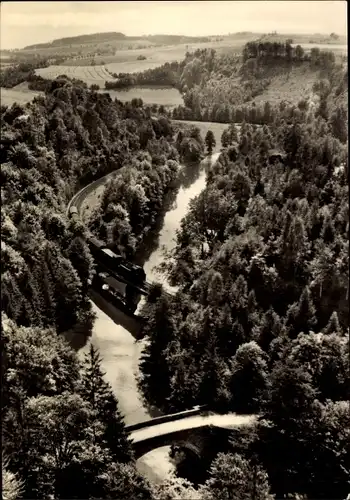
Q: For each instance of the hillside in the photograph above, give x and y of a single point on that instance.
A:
(81, 39)
(316, 38)
(113, 36)
(235, 87)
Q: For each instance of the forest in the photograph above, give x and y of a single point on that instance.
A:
(260, 322)
(21, 72)
(130, 203)
(49, 149)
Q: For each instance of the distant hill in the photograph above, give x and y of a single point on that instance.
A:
(115, 36)
(81, 39)
(317, 38)
(175, 39)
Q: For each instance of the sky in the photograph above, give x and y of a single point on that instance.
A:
(26, 23)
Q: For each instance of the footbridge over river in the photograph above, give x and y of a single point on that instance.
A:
(179, 427)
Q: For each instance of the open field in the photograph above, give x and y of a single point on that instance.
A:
(89, 74)
(125, 61)
(9, 96)
(216, 128)
(160, 54)
(95, 74)
(289, 87)
(161, 96)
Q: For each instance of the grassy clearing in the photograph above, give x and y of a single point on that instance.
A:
(10, 96)
(89, 74)
(216, 128)
(169, 97)
(290, 87)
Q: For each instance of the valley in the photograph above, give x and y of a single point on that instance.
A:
(175, 255)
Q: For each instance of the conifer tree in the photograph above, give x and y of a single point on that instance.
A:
(269, 329)
(301, 315)
(80, 257)
(225, 139)
(108, 425)
(45, 286)
(11, 297)
(162, 330)
(249, 380)
(333, 325)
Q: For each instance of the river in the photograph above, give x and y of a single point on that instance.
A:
(114, 335)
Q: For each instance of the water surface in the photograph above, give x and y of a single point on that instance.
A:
(116, 340)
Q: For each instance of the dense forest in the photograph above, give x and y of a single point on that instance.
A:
(130, 203)
(19, 73)
(49, 149)
(260, 324)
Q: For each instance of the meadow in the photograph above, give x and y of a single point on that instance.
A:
(89, 74)
(125, 61)
(21, 96)
(216, 128)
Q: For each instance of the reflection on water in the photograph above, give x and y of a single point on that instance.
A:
(193, 182)
(188, 175)
(114, 333)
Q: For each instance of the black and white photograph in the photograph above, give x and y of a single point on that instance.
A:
(174, 250)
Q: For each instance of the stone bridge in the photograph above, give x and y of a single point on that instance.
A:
(179, 427)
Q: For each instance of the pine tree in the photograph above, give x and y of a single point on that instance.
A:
(11, 297)
(186, 379)
(238, 300)
(161, 329)
(210, 141)
(29, 289)
(233, 133)
(45, 286)
(301, 315)
(215, 289)
(328, 230)
(224, 332)
(225, 139)
(80, 257)
(249, 378)
(67, 287)
(333, 325)
(212, 388)
(108, 425)
(269, 329)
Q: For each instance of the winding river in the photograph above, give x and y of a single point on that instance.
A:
(115, 335)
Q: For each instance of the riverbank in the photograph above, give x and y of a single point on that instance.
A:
(119, 350)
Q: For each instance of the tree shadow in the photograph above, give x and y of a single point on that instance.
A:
(127, 320)
(188, 174)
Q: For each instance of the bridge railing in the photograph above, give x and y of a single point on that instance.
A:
(197, 410)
